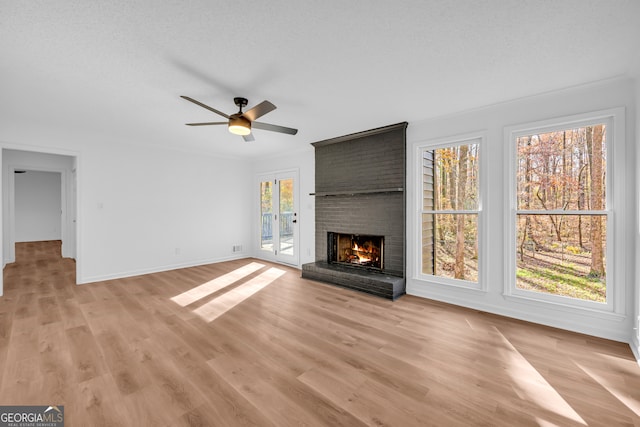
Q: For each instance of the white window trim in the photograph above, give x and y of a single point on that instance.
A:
(451, 141)
(615, 272)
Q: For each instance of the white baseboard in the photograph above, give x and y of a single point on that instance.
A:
(529, 314)
(158, 269)
(263, 258)
(635, 347)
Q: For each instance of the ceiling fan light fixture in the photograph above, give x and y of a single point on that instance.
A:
(239, 125)
(241, 122)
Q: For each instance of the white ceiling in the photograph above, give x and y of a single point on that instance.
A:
(114, 69)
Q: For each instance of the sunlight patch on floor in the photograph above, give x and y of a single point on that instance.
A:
(628, 366)
(225, 302)
(212, 286)
(545, 423)
(621, 395)
(531, 386)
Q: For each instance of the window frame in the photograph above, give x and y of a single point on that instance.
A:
(478, 138)
(615, 127)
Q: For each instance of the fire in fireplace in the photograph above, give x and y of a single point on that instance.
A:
(355, 250)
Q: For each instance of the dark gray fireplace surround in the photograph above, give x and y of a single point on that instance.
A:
(360, 181)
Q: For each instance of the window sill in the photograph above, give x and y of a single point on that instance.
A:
(591, 312)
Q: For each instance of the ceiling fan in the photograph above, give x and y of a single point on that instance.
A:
(241, 122)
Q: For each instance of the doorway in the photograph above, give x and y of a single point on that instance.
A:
(34, 215)
(37, 206)
(278, 217)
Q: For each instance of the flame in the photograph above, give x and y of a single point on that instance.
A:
(359, 251)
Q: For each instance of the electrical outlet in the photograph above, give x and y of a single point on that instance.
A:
(237, 248)
(177, 250)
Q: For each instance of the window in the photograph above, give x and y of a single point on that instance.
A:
(266, 215)
(450, 211)
(561, 225)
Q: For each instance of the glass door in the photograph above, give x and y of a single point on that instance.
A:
(266, 215)
(287, 216)
(279, 217)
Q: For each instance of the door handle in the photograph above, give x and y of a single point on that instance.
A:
(294, 221)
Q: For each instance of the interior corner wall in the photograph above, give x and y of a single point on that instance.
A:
(491, 121)
(2, 181)
(635, 340)
(304, 161)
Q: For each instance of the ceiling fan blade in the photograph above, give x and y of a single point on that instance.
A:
(205, 106)
(207, 124)
(259, 110)
(248, 138)
(274, 128)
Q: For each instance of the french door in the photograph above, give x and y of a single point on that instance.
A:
(279, 217)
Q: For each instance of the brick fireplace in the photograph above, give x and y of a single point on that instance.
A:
(360, 211)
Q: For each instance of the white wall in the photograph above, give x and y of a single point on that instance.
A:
(304, 162)
(38, 206)
(491, 122)
(145, 210)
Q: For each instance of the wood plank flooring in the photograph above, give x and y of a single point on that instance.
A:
(249, 343)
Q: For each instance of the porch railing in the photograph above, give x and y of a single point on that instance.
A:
(285, 222)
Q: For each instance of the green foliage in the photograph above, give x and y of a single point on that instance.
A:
(594, 276)
(563, 280)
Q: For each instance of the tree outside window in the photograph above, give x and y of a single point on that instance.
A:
(450, 210)
(561, 217)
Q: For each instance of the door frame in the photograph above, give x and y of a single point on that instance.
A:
(73, 218)
(64, 210)
(272, 255)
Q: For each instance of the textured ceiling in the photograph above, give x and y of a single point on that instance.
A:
(113, 71)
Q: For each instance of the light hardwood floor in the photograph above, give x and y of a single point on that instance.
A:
(251, 343)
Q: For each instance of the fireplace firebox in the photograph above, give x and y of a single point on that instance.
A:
(355, 250)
